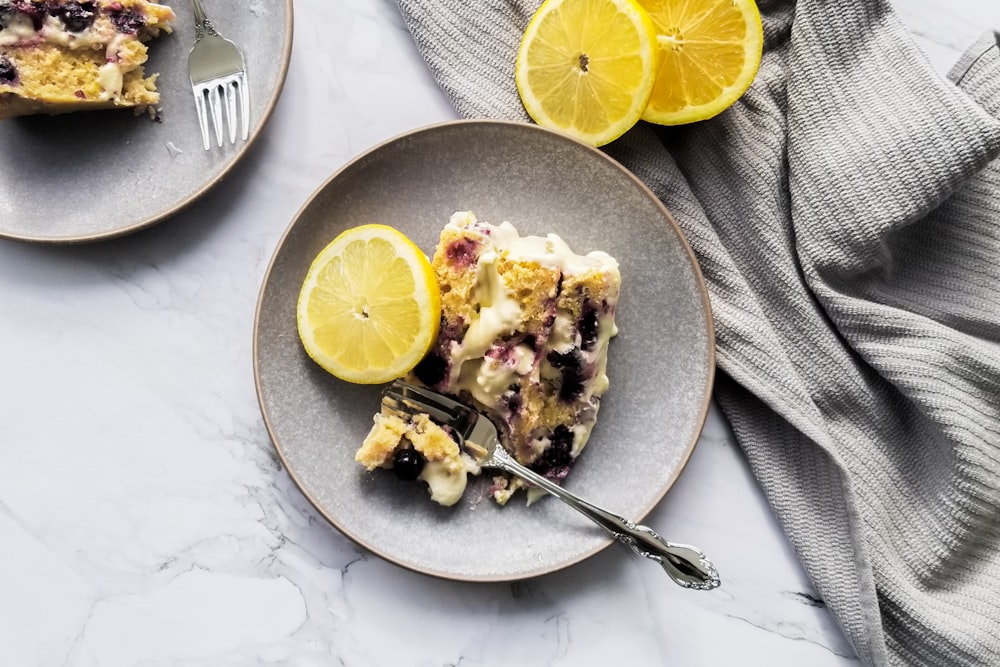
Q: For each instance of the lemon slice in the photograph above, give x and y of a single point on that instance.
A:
(709, 54)
(586, 67)
(370, 306)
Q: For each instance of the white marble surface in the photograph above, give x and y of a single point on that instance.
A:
(144, 519)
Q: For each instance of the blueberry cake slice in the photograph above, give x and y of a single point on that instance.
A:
(58, 56)
(524, 337)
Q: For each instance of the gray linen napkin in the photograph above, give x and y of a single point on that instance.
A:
(846, 215)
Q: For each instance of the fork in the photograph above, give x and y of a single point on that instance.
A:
(477, 435)
(218, 71)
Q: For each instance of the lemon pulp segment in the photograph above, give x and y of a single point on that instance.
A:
(710, 51)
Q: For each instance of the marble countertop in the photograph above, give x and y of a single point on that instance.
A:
(145, 519)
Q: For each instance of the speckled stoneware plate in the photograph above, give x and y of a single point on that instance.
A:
(96, 175)
(660, 364)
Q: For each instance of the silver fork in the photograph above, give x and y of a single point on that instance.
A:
(686, 565)
(218, 72)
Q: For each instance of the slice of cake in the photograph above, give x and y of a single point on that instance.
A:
(524, 337)
(417, 448)
(58, 56)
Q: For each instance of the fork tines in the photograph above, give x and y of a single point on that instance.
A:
(229, 93)
(424, 395)
(401, 405)
(400, 399)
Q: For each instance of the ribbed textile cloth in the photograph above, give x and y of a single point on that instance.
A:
(846, 216)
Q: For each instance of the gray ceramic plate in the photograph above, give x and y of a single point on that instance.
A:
(660, 366)
(89, 176)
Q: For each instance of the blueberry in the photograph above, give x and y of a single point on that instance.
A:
(76, 16)
(572, 384)
(452, 330)
(461, 253)
(514, 401)
(571, 366)
(560, 359)
(35, 12)
(556, 460)
(127, 20)
(562, 435)
(588, 326)
(432, 369)
(8, 72)
(407, 464)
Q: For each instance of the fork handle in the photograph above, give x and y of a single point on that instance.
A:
(686, 565)
(202, 24)
(199, 11)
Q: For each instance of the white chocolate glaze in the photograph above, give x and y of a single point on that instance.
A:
(487, 377)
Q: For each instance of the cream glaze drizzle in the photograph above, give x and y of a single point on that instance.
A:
(485, 377)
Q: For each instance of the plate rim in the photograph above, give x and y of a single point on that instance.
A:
(710, 359)
(160, 216)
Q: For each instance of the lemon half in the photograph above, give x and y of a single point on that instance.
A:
(370, 307)
(586, 67)
(710, 52)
